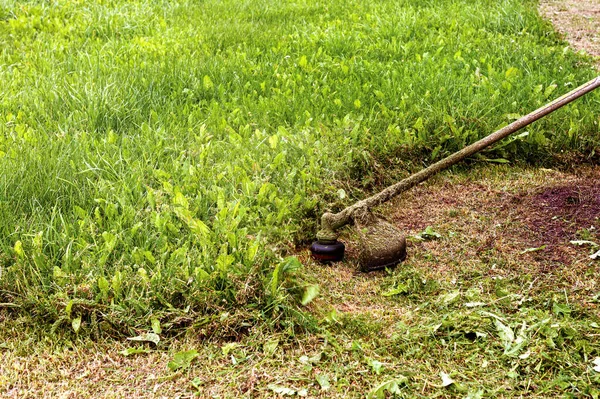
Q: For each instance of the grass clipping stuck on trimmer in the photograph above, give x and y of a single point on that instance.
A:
(383, 245)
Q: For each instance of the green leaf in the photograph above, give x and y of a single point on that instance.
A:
(391, 386)
(303, 62)
(81, 214)
(450, 297)
(182, 360)
(18, 248)
(198, 227)
(228, 347)
(207, 83)
(532, 249)
(284, 391)
(57, 273)
(310, 360)
(310, 293)
(147, 337)
(513, 117)
(549, 90)
(68, 308)
(519, 342)
(496, 160)
(110, 241)
(76, 324)
(273, 141)
(505, 333)
(428, 234)
(376, 366)
(178, 257)
(201, 274)
(156, 326)
(103, 286)
(323, 381)
(561, 309)
(197, 383)
(475, 395)
(180, 200)
(270, 346)
(418, 125)
(288, 265)
(400, 289)
(511, 73)
(584, 242)
(133, 351)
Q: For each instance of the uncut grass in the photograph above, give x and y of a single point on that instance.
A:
(158, 158)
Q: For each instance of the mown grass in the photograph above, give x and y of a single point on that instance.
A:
(158, 158)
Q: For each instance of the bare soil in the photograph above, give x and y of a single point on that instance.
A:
(577, 20)
(557, 213)
(523, 223)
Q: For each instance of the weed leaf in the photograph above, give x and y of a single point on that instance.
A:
(76, 324)
(182, 360)
(228, 347)
(156, 326)
(133, 351)
(270, 346)
(323, 381)
(428, 234)
(376, 366)
(450, 297)
(147, 337)
(310, 293)
(391, 386)
(505, 333)
(400, 289)
(584, 242)
(532, 249)
(18, 248)
(284, 391)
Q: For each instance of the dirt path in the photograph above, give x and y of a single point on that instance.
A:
(577, 20)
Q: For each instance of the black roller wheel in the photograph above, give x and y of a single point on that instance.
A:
(327, 252)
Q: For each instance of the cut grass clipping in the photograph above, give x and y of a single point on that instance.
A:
(158, 157)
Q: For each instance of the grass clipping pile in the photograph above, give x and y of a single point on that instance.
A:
(382, 244)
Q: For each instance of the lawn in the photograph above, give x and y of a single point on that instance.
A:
(159, 158)
(165, 162)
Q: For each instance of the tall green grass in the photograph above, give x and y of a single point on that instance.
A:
(158, 157)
